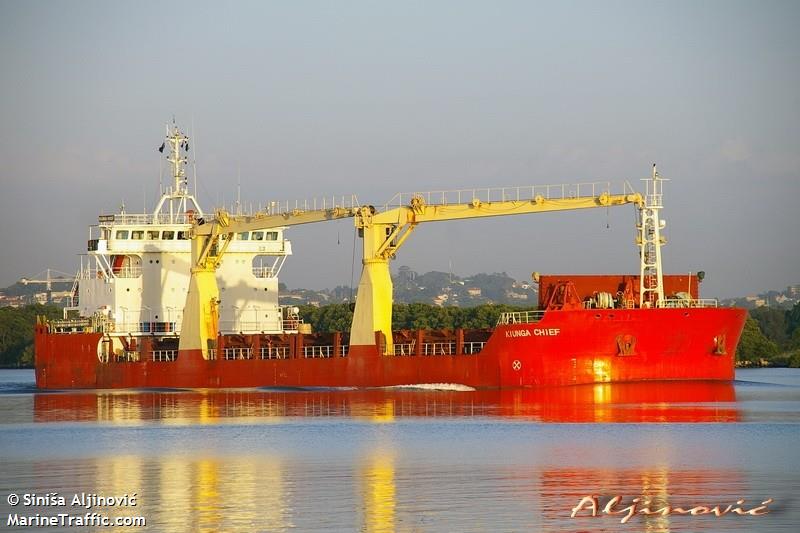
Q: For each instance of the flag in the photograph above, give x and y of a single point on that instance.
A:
(161, 148)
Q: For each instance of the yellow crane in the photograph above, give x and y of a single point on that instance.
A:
(383, 233)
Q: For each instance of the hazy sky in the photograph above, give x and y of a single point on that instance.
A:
(317, 98)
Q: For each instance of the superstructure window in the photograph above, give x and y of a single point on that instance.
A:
(183, 236)
(244, 236)
(137, 235)
(122, 234)
(272, 235)
(167, 235)
(152, 235)
(258, 235)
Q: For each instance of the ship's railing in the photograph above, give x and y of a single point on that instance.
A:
(315, 352)
(324, 351)
(436, 348)
(681, 302)
(559, 191)
(127, 356)
(162, 356)
(313, 204)
(158, 327)
(263, 271)
(238, 353)
(247, 326)
(403, 348)
(147, 327)
(520, 317)
(75, 325)
(147, 218)
(292, 324)
(212, 354)
(274, 352)
(473, 347)
(128, 272)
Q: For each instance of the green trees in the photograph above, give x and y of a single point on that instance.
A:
(16, 333)
(337, 317)
(773, 335)
(753, 345)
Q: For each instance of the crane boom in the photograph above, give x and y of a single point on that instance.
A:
(200, 315)
(383, 233)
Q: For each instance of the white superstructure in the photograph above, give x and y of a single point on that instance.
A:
(136, 274)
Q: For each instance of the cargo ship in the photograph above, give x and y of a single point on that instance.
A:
(178, 298)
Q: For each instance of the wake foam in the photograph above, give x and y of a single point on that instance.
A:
(435, 386)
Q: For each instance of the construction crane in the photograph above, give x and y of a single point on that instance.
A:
(383, 233)
(48, 280)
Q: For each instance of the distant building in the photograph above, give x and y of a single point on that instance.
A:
(793, 291)
(474, 291)
(404, 273)
(441, 299)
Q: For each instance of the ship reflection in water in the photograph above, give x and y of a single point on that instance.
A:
(620, 402)
(405, 460)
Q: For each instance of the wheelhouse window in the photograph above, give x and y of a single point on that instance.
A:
(137, 235)
(167, 235)
(183, 235)
(152, 235)
(244, 236)
(122, 234)
(258, 235)
(272, 236)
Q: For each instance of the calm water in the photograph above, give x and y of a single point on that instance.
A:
(407, 460)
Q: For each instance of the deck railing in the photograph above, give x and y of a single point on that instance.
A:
(681, 302)
(274, 352)
(325, 351)
(473, 347)
(436, 348)
(238, 353)
(520, 317)
(164, 355)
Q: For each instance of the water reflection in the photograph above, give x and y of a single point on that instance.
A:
(380, 492)
(624, 402)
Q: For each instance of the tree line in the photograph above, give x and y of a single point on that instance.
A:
(16, 333)
(771, 336)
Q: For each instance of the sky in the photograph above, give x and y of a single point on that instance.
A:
(295, 100)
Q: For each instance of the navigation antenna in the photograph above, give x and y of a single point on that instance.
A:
(182, 205)
(649, 225)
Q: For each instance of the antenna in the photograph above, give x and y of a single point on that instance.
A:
(194, 158)
(238, 189)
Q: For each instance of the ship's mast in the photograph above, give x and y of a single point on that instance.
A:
(178, 141)
(178, 198)
(651, 280)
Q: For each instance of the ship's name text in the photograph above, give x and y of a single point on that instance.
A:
(536, 332)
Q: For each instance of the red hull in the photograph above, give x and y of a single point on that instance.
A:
(564, 348)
